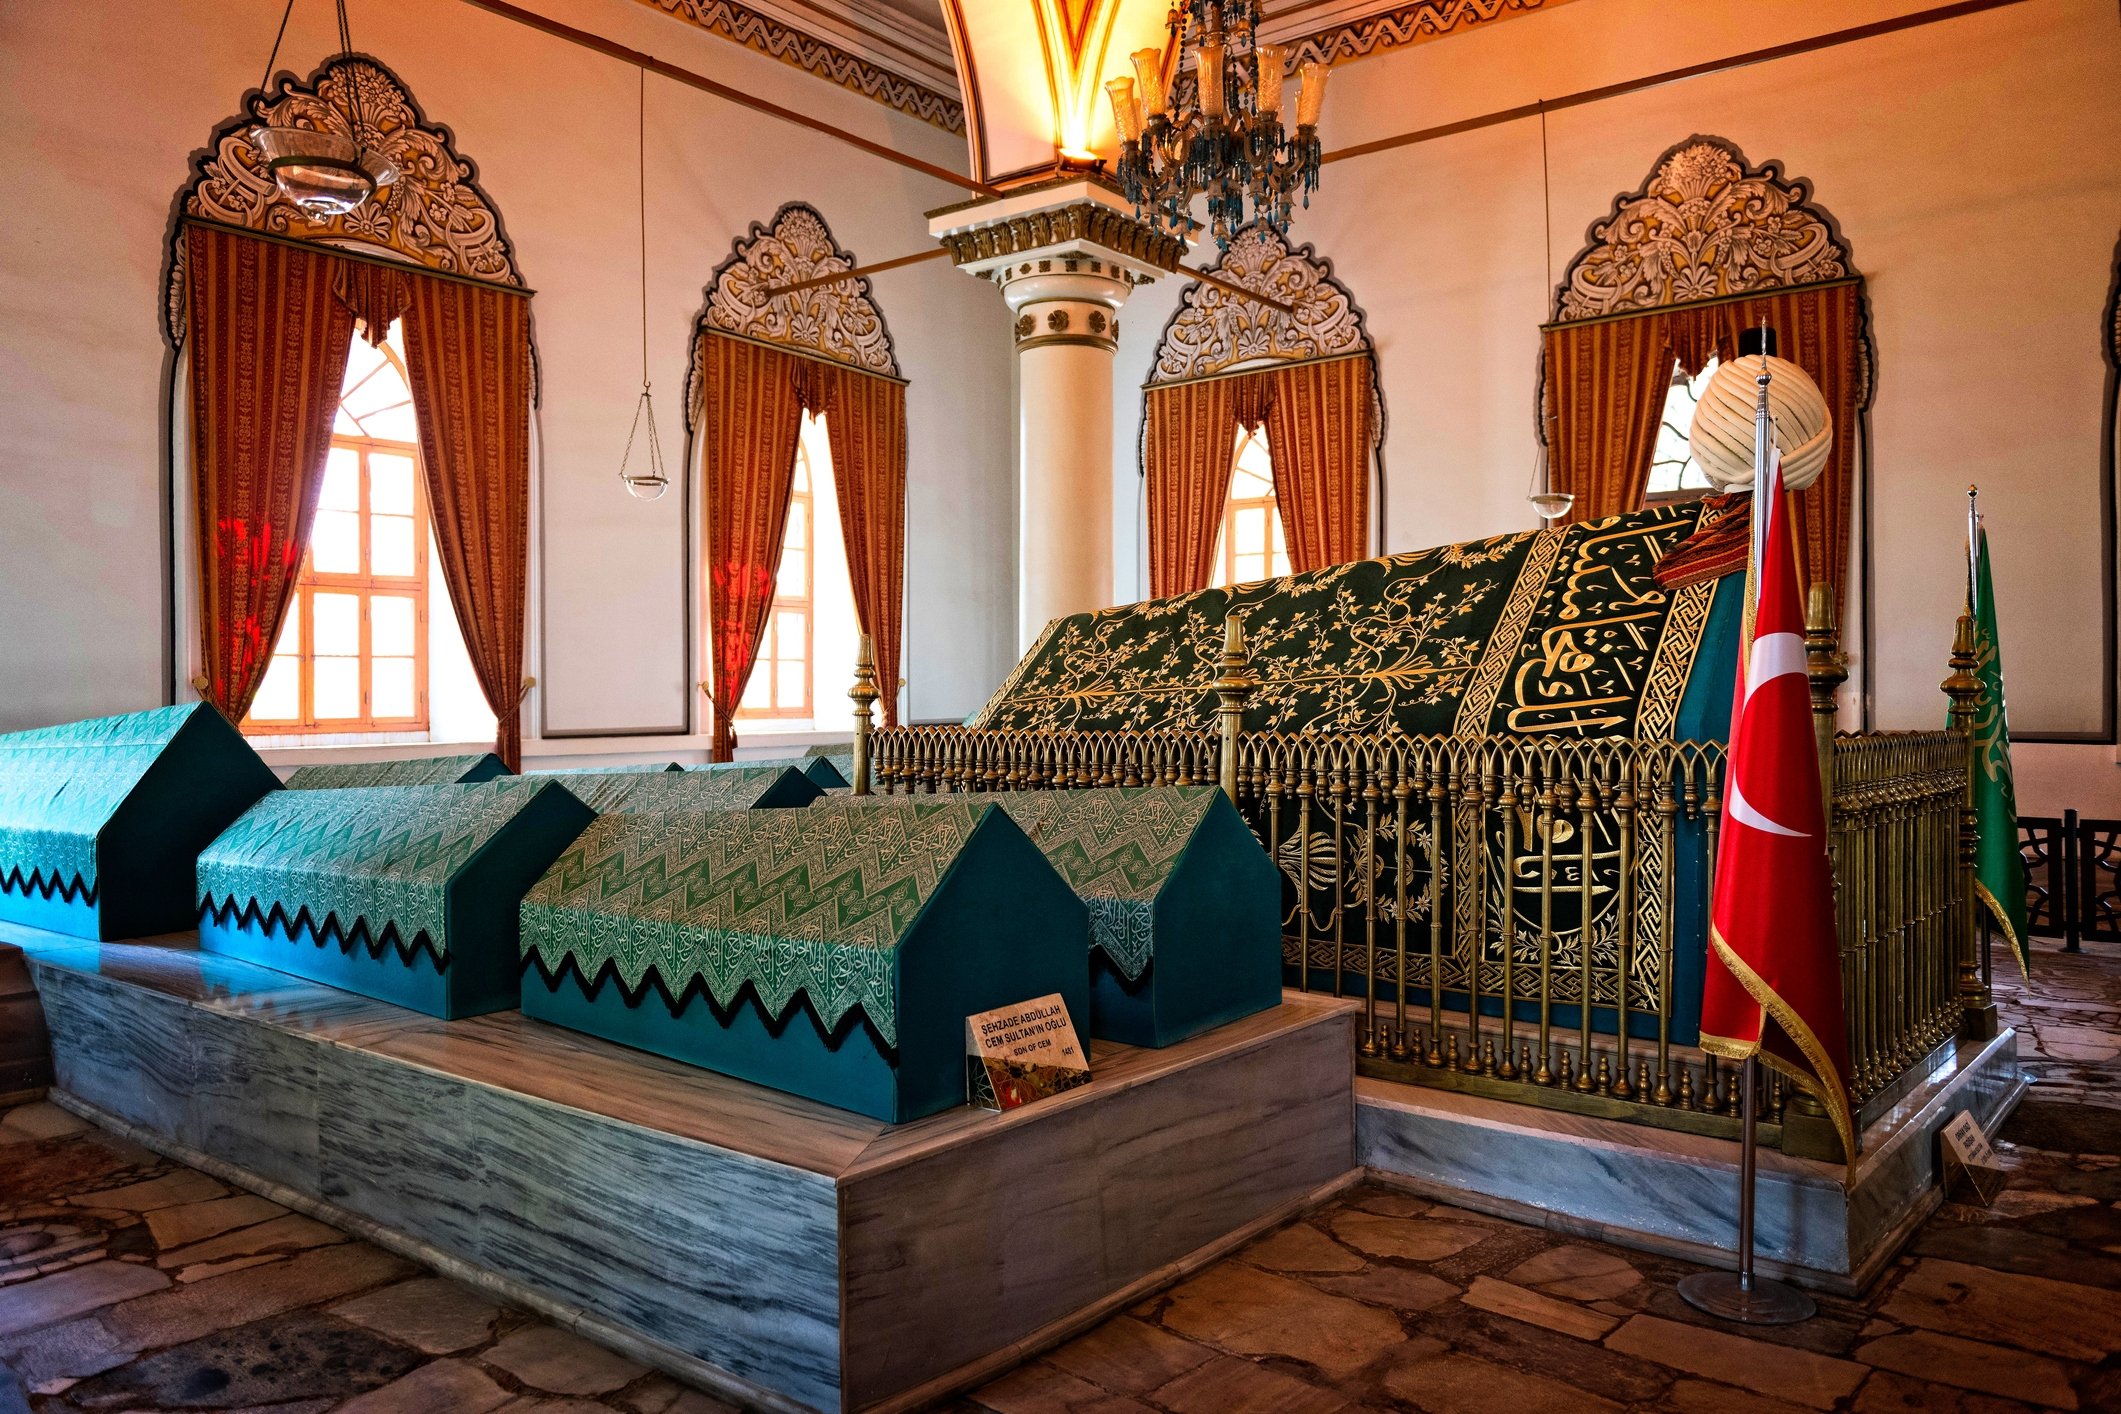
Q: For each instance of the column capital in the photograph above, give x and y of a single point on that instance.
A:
(1073, 225)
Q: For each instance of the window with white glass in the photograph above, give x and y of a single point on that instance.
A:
(807, 651)
(368, 651)
(1674, 474)
(1250, 545)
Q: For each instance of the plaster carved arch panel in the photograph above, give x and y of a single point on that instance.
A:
(434, 215)
(1706, 224)
(838, 321)
(1211, 331)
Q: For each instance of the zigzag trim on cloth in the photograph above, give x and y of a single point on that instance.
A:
(70, 889)
(793, 904)
(652, 983)
(327, 931)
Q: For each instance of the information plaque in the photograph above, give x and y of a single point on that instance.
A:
(1017, 1054)
(1967, 1155)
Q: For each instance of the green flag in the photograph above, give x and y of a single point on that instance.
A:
(1999, 870)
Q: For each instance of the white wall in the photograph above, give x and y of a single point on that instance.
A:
(1974, 166)
(101, 108)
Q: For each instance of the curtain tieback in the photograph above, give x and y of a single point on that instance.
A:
(200, 682)
(528, 684)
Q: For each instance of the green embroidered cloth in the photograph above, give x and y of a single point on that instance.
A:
(1116, 848)
(382, 856)
(1553, 631)
(654, 791)
(791, 903)
(824, 770)
(416, 771)
(60, 785)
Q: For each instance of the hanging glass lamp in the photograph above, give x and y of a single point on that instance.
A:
(326, 174)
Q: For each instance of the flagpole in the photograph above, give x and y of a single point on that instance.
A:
(1743, 1296)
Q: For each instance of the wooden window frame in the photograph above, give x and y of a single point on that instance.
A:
(801, 502)
(366, 586)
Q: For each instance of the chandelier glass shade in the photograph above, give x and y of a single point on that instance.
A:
(1228, 142)
(324, 173)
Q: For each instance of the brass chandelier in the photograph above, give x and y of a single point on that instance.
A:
(1227, 142)
(324, 173)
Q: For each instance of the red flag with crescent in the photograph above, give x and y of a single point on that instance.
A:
(1773, 983)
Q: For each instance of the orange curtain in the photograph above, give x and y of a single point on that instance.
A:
(1189, 447)
(1606, 386)
(268, 351)
(376, 294)
(751, 413)
(467, 356)
(865, 417)
(1319, 419)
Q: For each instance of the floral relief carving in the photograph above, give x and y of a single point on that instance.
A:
(1705, 225)
(838, 321)
(434, 215)
(1212, 330)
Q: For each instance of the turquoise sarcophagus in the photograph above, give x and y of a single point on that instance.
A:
(832, 954)
(413, 771)
(1184, 905)
(657, 792)
(404, 893)
(101, 821)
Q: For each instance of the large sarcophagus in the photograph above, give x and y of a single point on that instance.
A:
(1485, 770)
(100, 821)
(832, 953)
(404, 893)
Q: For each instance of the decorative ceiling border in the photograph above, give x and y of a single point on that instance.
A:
(837, 321)
(1401, 25)
(762, 34)
(435, 215)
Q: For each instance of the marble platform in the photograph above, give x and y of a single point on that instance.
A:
(1819, 1224)
(783, 1254)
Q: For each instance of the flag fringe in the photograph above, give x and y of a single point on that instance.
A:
(1825, 1085)
(2020, 947)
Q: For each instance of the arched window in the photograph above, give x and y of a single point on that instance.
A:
(807, 653)
(1251, 545)
(358, 649)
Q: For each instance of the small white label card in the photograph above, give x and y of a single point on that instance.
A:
(1017, 1054)
(1967, 1155)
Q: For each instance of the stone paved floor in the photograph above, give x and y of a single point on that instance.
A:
(128, 1283)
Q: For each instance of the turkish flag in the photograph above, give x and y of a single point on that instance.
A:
(1773, 982)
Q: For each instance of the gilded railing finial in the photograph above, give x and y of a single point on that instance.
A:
(1827, 667)
(1977, 1005)
(864, 695)
(1232, 688)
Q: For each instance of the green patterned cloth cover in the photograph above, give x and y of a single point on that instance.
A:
(650, 769)
(825, 771)
(792, 903)
(381, 856)
(1556, 631)
(60, 785)
(1116, 848)
(646, 792)
(416, 771)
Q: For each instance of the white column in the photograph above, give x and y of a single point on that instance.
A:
(1066, 335)
(1066, 253)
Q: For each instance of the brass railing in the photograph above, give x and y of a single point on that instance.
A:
(1480, 894)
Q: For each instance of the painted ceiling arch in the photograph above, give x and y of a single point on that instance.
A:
(1032, 76)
